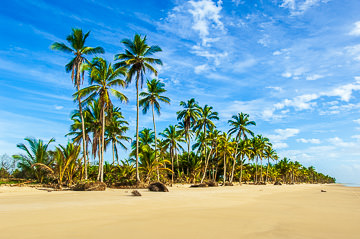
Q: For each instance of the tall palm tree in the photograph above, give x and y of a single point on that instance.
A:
(78, 48)
(103, 79)
(115, 129)
(188, 115)
(151, 98)
(137, 59)
(172, 140)
(212, 139)
(36, 154)
(240, 124)
(205, 122)
(269, 153)
(226, 149)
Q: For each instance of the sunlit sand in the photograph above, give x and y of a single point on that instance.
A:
(287, 211)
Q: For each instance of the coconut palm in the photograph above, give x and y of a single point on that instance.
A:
(212, 140)
(226, 150)
(115, 129)
(137, 59)
(269, 153)
(78, 48)
(188, 115)
(103, 79)
(37, 153)
(172, 140)
(152, 98)
(240, 124)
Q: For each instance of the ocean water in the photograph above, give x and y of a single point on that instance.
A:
(351, 184)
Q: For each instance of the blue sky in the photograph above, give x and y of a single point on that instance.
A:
(293, 65)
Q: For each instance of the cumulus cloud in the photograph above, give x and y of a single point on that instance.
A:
(282, 135)
(356, 30)
(340, 143)
(206, 15)
(307, 101)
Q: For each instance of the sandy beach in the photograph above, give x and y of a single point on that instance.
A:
(287, 211)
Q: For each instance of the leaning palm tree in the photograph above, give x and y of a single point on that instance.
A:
(78, 48)
(151, 98)
(103, 77)
(34, 155)
(137, 59)
(226, 149)
(269, 153)
(240, 124)
(188, 115)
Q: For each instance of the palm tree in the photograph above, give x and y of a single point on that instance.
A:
(115, 130)
(77, 47)
(103, 77)
(155, 88)
(137, 59)
(226, 149)
(188, 115)
(239, 124)
(172, 140)
(245, 150)
(212, 138)
(34, 155)
(205, 122)
(270, 153)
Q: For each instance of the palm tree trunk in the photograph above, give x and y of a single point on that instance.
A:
(188, 158)
(206, 165)
(156, 160)
(256, 170)
(102, 145)
(83, 132)
(267, 171)
(99, 155)
(172, 166)
(113, 151)
(241, 171)
(137, 127)
(224, 169)
(261, 170)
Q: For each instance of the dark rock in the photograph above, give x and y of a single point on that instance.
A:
(136, 193)
(89, 186)
(323, 191)
(158, 187)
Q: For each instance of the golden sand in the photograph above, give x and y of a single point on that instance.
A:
(248, 211)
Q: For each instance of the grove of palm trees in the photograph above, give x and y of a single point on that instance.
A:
(192, 151)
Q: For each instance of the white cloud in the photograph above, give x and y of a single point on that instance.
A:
(312, 141)
(276, 88)
(306, 101)
(314, 77)
(357, 121)
(241, 66)
(201, 68)
(340, 143)
(282, 135)
(298, 7)
(286, 74)
(59, 107)
(356, 30)
(206, 16)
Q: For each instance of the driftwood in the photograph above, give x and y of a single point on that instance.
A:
(136, 193)
(158, 187)
(323, 191)
(89, 186)
(201, 185)
(277, 183)
(212, 184)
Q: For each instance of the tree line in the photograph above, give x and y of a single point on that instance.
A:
(191, 151)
